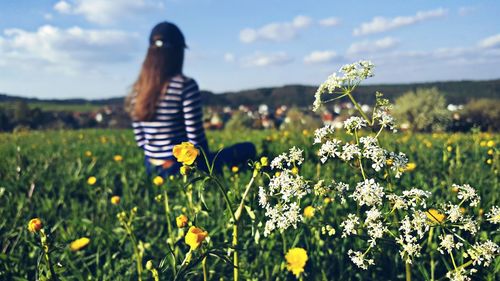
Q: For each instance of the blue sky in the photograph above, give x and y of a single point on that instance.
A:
(94, 48)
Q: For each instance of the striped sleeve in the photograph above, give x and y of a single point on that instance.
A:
(139, 134)
(193, 114)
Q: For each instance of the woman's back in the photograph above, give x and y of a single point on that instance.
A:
(178, 117)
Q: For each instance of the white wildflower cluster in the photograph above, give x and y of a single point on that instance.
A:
(348, 77)
(374, 225)
(398, 163)
(359, 259)
(483, 253)
(456, 216)
(329, 149)
(494, 215)
(410, 199)
(368, 192)
(458, 274)
(467, 193)
(354, 123)
(448, 243)
(340, 188)
(349, 151)
(385, 120)
(280, 198)
(371, 150)
(321, 133)
(349, 225)
(412, 229)
(286, 160)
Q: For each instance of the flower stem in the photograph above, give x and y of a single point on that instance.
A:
(356, 104)
(235, 253)
(167, 215)
(204, 265)
(408, 271)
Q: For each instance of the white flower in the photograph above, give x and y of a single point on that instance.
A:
(341, 188)
(294, 157)
(448, 244)
(349, 225)
(483, 253)
(321, 133)
(494, 215)
(359, 259)
(458, 274)
(467, 193)
(368, 193)
(329, 149)
(453, 211)
(399, 162)
(349, 151)
(375, 153)
(354, 123)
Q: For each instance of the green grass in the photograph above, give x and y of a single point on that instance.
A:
(44, 174)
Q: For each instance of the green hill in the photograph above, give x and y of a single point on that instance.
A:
(456, 92)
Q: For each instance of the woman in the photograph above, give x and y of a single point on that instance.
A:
(165, 107)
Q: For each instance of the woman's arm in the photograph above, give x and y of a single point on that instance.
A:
(193, 114)
(139, 134)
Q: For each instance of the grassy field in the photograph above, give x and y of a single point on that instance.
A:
(46, 175)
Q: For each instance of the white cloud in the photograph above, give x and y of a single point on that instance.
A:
(490, 42)
(63, 7)
(106, 12)
(277, 31)
(332, 21)
(259, 59)
(381, 24)
(229, 57)
(320, 57)
(372, 46)
(68, 49)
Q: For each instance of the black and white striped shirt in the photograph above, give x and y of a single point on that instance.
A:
(178, 118)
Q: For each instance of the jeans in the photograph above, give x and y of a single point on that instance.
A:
(235, 155)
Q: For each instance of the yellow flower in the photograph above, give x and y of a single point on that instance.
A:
(184, 170)
(490, 143)
(296, 259)
(115, 200)
(489, 161)
(181, 221)
(490, 151)
(158, 181)
(454, 189)
(449, 148)
(35, 225)
(410, 166)
(435, 216)
(118, 158)
(309, 212)
(235, 169)
(389, 162)
(295, 170)
(149, 265)
(327, 200)
(482, 143)
(88, 153)
(305, 132)
(264, 161)
(185, 153)
(195, 237)
(79, 244)
(91, 180)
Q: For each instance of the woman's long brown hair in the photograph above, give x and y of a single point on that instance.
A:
(160, 64)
